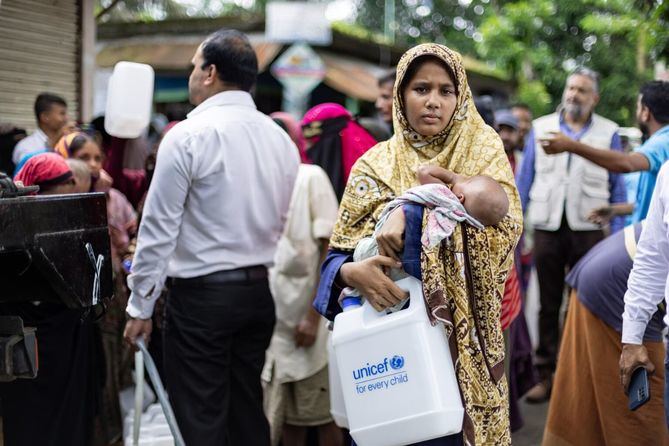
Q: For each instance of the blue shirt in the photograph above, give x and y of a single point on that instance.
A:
(656, 149)
(632, 186)
(525, 176)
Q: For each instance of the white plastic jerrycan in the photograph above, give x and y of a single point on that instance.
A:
(337, 407)
(396, 373)
(129, 98)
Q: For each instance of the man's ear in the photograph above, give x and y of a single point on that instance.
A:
(212, 75)
(646, 115)
(596, 100)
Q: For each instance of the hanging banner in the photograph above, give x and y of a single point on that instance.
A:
(289, 22)
(299, 69)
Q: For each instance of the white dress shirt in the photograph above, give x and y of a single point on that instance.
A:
(647, 285)
(218, 199)
(30, 144)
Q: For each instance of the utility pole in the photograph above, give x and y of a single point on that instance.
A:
(389, 21)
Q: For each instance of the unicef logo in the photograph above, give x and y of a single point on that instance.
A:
(397, 362)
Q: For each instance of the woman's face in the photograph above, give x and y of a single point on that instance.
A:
(430, 98)
(91, 154)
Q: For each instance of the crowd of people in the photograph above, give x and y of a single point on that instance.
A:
(235, 234)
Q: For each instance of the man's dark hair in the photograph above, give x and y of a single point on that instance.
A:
(44, 102)
(232, 54)
(655, 96)
(388, 77)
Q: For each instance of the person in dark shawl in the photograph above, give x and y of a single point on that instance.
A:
(334, 142)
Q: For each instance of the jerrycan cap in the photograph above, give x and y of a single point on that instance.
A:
(350, 302)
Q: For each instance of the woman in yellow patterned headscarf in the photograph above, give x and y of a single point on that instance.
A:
(463, 280)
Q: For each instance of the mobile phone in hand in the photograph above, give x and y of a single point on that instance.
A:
(639, 389)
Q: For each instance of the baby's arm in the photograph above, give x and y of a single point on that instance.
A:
(434, 174)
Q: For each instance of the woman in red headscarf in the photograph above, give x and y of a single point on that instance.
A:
(334, 142)
(48, 171)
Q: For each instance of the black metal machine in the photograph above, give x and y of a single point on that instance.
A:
(52, 249)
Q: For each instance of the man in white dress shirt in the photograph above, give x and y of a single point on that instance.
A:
(212, 219)
(647, 285)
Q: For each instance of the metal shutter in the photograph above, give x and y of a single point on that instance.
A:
(39, 51)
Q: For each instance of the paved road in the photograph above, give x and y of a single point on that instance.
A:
(531, 433)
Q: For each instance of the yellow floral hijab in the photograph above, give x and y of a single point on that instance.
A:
(463, 278)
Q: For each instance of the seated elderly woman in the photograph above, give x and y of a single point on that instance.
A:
(50, 172)
(334, 141)
(435, 123)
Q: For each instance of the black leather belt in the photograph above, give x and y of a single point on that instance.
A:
(240, 275)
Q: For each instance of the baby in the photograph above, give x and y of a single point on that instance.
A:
(483, 198)
(484, 201)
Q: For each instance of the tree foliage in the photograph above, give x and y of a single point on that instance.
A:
(541, 41)
(537, 41)
(153, 10)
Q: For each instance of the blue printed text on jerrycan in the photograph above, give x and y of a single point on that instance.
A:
(396, 374)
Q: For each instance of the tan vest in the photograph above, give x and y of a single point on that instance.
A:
(575, 186)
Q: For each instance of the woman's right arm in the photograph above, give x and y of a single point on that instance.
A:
(329, 288)
(366, 276)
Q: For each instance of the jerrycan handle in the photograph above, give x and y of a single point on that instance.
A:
(409, 284)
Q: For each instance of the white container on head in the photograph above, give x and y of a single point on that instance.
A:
(129, 98)
(396, 373)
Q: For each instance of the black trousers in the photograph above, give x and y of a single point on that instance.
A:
(215, 339)
(554, 253)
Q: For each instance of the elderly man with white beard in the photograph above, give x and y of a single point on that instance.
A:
(558, 193)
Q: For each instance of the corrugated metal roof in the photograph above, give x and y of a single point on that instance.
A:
(169, 54)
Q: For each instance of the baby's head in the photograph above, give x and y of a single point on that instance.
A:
(82, 175)
(483, 198)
